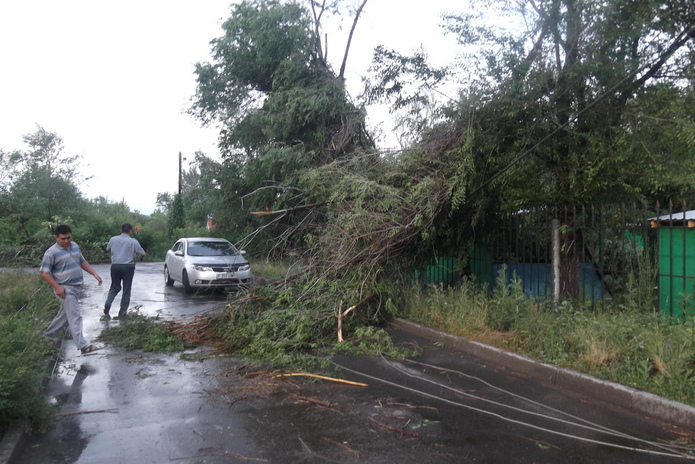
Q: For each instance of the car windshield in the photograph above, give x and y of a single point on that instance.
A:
(211, 249)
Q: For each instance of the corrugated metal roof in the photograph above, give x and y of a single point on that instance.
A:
(683, 216)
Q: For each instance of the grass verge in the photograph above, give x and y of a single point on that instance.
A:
(26, 308)
(631, 346)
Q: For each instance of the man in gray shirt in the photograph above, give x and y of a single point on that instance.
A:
(61, 267)
(123, 249)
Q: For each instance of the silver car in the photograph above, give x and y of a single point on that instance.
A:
(203, 262)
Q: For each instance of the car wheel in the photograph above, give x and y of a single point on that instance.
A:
(186, 284)
(168, 281)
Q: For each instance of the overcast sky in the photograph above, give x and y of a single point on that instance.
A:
(113, 80)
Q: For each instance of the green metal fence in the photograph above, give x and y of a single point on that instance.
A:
(641, 255)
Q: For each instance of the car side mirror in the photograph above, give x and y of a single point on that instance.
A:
(178, 253)
(242, 252)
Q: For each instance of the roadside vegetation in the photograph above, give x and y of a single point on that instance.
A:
(300, 325)
(633, 346)
(26, 358)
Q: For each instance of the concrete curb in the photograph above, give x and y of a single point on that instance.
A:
(619, 395)
(10, 442)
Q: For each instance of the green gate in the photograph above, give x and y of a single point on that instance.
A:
(677, 272)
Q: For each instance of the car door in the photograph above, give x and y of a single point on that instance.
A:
(176, 260)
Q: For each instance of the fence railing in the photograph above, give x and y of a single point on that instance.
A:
(634, 255)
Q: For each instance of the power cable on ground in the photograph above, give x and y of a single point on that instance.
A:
(674, 454)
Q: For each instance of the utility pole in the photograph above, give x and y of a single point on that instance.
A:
(556, 263)
(180, 171)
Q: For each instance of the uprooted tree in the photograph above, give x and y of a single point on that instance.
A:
(592, 101)
(589, 102)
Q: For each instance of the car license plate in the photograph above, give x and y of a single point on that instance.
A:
(228, 275)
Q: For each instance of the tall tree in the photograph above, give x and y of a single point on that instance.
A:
(562, 91)
(281, 107)
(269, 83)
(43, 182)
(552, 107)
(177, 216)
(591, 103)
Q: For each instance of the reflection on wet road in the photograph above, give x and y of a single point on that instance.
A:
(120, 407)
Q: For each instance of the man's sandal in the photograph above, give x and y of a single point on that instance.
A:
(89, 349)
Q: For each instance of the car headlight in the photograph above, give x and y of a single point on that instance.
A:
(243, 268)
(198, 267)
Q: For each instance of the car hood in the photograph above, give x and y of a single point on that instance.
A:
(218, 260)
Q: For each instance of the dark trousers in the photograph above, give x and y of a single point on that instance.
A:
(120, 273)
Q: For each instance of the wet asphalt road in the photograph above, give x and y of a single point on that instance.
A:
(441, 407)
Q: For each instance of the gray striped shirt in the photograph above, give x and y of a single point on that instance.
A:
(64, 265)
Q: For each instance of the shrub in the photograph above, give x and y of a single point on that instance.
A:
(26, 307)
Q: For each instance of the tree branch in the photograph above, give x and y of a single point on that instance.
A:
(347, 46)
(287, 210)
(317, 30)
(678, 42)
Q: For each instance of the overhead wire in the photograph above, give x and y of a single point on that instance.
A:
(672, 453)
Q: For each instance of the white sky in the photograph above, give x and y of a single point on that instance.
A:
(113, 79)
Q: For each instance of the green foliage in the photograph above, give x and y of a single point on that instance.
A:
(26, 307)
(39, 190)
(282, 111)
(379, 209)
(38, 184)
(625, 345)
(141, 333)
(583, 102)
(462, 310)
(508, 303)
(659, 139)
(410, 83)
(286, 325)
(274, 271)
(260, 37)
(197, 195)
(177, 216)
(268, 83)
(153, 236)
(634, 271)
(18, 255)
(92, 232)
(395, 73)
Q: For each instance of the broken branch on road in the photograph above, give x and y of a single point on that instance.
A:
(323, 377)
